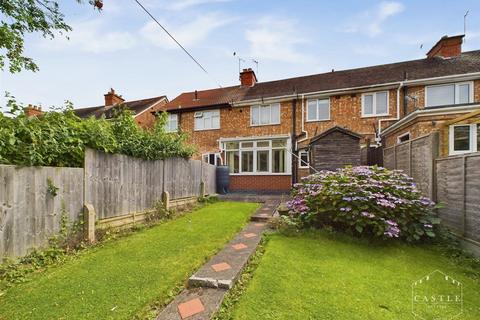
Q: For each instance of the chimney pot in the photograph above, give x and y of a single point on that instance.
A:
(447, 47)
(32, 111)
(248, 78)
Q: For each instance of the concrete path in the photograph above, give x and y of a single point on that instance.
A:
(207, 287)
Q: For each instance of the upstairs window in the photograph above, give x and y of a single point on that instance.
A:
(449, 94)
(318, 110)
(464, 138)
(172, 123)
(375, 104)
(207, 120)
(265, 115)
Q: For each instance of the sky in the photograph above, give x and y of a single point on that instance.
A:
(121, 48)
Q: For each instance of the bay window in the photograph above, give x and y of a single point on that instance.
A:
(207, 120)
(464, 138)
(449, 94)
(257, 157)
(265, 115)
(375, 104)
(318, 110)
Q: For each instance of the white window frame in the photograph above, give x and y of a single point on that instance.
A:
(404, 135)
(218, 158)
(201, 114)
(270, 123)
(473, 139)
(317, 113)
(374, 107)
(255, 149)
(457, 96)
(167, 125)
(302, 165)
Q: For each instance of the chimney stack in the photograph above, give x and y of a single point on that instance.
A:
(32, 111)
(447, 47)
(111, 98)
(248, 78)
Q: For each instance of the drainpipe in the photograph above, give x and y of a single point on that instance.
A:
(303, 123)
(378, 138)
(294, 139)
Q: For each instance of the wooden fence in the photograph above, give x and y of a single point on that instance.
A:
(31, 208)
(115, 185)
(416, 158)
(458, 189)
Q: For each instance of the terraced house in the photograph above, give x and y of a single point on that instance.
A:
(272, 133)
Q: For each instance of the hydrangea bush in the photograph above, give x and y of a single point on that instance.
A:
(370, 201)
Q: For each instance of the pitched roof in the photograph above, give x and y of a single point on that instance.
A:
(467, 62)
(136, 106)
(333, 129)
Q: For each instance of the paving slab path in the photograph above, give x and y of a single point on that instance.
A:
(207, 287)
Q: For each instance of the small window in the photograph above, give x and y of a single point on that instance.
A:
(265, 115)
(375, 104)
(304, 159)
(464, 138)
(449, 94)
(318, 110)
(403, 137)
(212, 158)
(207, 120)
(172, 123)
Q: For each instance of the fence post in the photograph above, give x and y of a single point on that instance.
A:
(464, 194)
(166, 199)
(410, 160)
(89, 222)
(395, 157)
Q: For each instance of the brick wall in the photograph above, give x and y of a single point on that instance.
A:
(261, 183)
(147, 119)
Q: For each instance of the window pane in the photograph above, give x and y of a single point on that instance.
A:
(262, 160)
(464, 93)
(231, 145)
(247, 144)
(198, 123)
(441, 95)
(278, 159)
(312, 110)
(304, 159)
(279, 143)
(215, 122)
(255, 115)
(233, 161)
(381, 99)
(323, 109)
(265, 115)
(263, 144)
(461, 138)
(247, 161)
(275, 109)
(368, 104)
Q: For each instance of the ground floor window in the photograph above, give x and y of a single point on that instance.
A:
(212, 158)
(303, 159)
(403, 137)
(259, 156)
(464, 138)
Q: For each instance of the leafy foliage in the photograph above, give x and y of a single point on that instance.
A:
(369, 201)
(59, 138)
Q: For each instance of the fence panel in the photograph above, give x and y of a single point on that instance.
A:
(29, 213)
(209, 178)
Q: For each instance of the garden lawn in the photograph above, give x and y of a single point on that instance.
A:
(323, 276)
(124, 277)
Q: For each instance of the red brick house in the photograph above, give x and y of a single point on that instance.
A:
(143, 110)
(261, 129)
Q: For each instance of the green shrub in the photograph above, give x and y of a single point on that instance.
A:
(369, 201)
(59, 138)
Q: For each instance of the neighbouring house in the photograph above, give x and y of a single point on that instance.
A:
(143, 110)
(267, 132)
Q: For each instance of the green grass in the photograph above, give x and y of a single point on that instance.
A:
(122, 278)
(322, 276)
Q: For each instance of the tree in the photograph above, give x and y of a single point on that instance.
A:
(21, 17)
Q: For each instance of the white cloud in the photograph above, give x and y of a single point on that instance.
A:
(276, 39)
(92, 36)
(371, 21)
(188, 34)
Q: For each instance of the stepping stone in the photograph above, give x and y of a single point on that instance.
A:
(190, 308)
(239, 246)
(249, 235)
(221, 267)
(258, 224)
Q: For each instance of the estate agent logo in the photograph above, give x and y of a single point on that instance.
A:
(437, 296)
